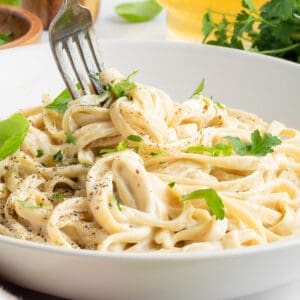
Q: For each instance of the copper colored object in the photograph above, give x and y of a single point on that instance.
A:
(26, 28)
(47, 9)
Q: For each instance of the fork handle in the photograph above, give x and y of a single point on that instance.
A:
(71, 3)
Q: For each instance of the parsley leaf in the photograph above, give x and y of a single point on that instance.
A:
(122, 146)
(134, 138)
(259, 146)
(70, 138)
(58, 157)
(29, 205)
(60, 103)
(12, 134)
(39, 153)
(218, 150)
(139, 11)
(274, 29)
(4, 38)
(213, 201)
(199, 89)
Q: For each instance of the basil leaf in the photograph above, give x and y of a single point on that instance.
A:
(70, 138)
(12, 134)
(60, 103)
(134, 12)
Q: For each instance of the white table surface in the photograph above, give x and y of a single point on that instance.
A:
(108, 26)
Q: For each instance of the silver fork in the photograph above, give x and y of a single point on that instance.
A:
(75, 48)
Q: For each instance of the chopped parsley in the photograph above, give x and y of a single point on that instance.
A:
(29, 205)
(122, 146)
(259, 146)
(117, 203)
(70, 138)
(39, 153)
(171, 184)
(134, 138)
(58, 157)
(218, 150)
(57, 195)
(157, 154)
(213, 201)
(86, 165)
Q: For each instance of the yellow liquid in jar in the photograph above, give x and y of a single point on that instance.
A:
(184, 17)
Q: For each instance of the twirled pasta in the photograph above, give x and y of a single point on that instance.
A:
(121, 201)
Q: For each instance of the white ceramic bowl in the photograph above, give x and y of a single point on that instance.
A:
(256, 83)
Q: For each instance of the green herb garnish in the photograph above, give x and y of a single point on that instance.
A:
(157, 154)
(134, 138)
(273, 29)
(12, 134)
(29, 205)
(122, 88)
(259, 146)
(122, 146)
(86, 165)
(70, 138)
(213, 201)
(218, 150)
(4, 38)
(39, 153)
(134, 12)
(60, 103)
(58, 157)
(57, 195)
(171, 184)
(117, 203)
(199, 89)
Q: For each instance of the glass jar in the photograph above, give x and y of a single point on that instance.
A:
(184, 17)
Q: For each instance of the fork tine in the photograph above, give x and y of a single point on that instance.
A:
(66, 69)
(95, 49)
(89, 60)
(78, 67)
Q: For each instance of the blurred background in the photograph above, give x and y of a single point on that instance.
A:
(269, 27)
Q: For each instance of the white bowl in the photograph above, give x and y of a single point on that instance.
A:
(260, 84)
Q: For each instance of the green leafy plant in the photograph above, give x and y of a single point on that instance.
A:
(274, 29)
(134, 12)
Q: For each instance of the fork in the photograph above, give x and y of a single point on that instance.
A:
(75, 48)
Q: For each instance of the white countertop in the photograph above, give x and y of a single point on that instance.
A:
(108, 26)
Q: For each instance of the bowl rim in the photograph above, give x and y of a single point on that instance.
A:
(35, 26)
(287, 243)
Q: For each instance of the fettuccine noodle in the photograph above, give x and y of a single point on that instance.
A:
(122, 201)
